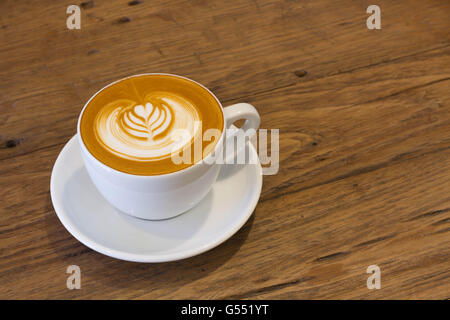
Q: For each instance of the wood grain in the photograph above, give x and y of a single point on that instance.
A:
(364, 119)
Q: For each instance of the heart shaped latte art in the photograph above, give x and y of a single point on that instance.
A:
(142, 131)
(146, 121)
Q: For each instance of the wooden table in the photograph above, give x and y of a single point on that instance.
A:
(364, 120)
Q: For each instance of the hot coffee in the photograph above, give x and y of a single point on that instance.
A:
(130, 125)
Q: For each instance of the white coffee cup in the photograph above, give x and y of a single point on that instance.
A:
(156, 197)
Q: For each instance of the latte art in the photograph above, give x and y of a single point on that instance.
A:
(145, 122)
(143, 132)
(138, 125)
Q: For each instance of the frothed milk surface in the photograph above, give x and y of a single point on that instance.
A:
(133, 125)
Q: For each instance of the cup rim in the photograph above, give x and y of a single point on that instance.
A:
(142, 176)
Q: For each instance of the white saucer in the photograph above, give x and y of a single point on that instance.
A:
(96, 224)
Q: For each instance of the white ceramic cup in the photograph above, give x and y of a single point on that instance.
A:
(163, 196)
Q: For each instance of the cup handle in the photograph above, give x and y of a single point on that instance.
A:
(240, 111)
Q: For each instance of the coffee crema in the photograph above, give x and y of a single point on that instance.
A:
(130, 125)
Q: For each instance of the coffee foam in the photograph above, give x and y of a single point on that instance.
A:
(145, 132)
(134, 124)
